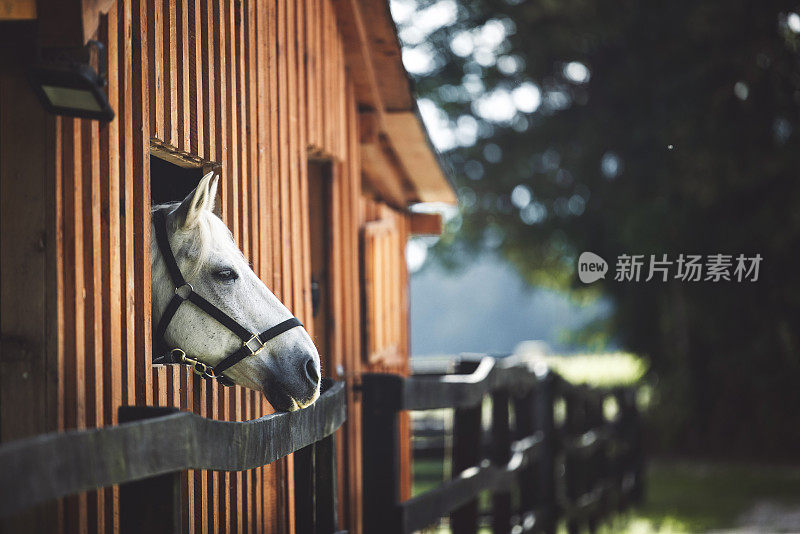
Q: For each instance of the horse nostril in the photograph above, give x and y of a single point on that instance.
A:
(312, 371)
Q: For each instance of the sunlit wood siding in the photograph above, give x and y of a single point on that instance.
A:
(256, 88)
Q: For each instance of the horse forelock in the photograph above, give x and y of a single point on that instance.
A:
(196, 243)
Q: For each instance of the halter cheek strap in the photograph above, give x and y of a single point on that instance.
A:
(252, 343)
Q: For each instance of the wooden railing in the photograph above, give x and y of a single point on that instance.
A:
(149, 449)
(579, 471)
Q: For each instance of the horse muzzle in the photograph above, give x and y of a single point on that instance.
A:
(293, 380)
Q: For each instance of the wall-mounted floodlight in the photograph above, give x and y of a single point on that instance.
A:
(66, 84)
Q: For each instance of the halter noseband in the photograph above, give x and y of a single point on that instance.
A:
(252, 343)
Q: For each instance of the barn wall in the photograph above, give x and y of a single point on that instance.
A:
(391, 326)
(255, 88)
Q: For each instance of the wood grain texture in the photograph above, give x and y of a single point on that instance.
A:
(256, 91)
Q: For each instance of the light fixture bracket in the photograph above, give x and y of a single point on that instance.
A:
(67, 84)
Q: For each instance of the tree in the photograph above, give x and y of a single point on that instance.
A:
(639, 128)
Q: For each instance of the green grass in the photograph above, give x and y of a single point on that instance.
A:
(690, 497)
(601, 369)
(427, 475)
(684, 497)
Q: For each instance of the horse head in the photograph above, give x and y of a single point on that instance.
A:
(287, 367)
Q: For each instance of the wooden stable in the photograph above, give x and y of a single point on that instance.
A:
(304, 109)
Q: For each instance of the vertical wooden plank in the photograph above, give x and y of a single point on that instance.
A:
(141, 198)
(232, 139)
(160, 385)
(240, 114)
(284, 155)
(125, 118)
(188, 479)
(168, 64)
(265, 178)
(60, 289)
(216, 507)
(320, 92)
(305, 241)
(274, 141)
(209, 43)
(247, 476)
(111, 253)
(152, 26)
(75, 349)
(327, 48)
(201, 478)
(187, 57)
(308, 57)
(251, 24)
(92, 298)
(195, 128)
(73, 237)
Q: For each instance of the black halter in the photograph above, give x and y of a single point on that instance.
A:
(252, 343)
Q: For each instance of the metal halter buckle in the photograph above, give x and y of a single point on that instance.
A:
(253, 351)
(184, 291)
(199, 368)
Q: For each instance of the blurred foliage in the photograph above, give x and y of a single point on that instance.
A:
(679, 135)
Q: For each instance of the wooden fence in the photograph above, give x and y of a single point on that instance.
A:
(579, 471)
(150, 450)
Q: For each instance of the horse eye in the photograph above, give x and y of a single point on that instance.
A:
(226, 275)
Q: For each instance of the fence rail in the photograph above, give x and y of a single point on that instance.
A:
(601, 459)
(148, 450)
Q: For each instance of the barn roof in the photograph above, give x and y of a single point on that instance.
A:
(399, 161)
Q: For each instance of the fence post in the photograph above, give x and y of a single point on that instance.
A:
(325, 497)
(595, 468)
(152, 505)
(467, 440)
(501, 454)
(525, 427)
(381, 403)
(315, 487)
(638, 440)
(573, 426)
(304, 468)
(632, 432)
(545, 423)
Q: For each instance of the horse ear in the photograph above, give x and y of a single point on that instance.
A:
(200, 199)
(212, 193)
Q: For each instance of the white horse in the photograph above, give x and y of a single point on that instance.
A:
(287, 370)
